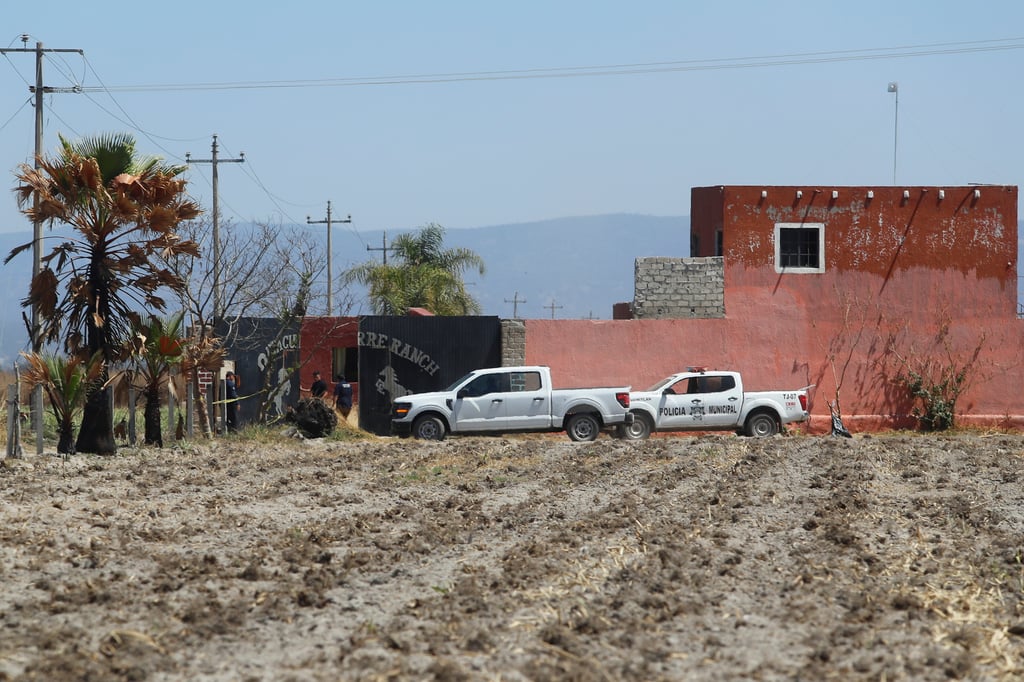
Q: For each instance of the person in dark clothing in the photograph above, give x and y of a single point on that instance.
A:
(231, 401)
(343, 396)
(319, 387)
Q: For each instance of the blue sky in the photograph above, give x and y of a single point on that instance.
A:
(398, 152)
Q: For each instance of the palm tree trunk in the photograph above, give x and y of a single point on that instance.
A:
(96, 435)
(154, 436)
(66, 438)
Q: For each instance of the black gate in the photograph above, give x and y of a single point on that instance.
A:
(402, 355)
(266, 357)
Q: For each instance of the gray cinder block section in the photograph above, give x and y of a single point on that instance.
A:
(679, 288)
(513, 343)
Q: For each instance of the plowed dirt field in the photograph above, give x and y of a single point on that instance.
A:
(894, 557)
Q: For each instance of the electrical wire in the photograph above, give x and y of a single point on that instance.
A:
(24, 104)
(678, 66)
(131, 121)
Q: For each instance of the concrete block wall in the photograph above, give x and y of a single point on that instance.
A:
(679, 288)
(513, 343)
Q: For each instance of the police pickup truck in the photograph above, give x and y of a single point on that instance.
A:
(702, 400)
(510, 399)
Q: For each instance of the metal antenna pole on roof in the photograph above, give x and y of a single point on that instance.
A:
(894, 88)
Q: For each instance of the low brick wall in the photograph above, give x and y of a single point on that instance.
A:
(679, 288)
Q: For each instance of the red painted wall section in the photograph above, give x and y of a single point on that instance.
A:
(706, 207)
(918, 282)
(318, 336)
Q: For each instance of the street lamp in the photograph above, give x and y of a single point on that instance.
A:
(895, 89)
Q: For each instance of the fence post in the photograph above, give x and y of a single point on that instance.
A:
(14, 449)
(170, 406)
(131, 414)
(189, 410)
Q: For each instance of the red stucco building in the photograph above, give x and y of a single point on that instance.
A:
(848, 288)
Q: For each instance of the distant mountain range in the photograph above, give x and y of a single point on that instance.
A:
(564, 268)
(569, 267)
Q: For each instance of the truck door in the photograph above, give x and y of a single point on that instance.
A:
(714, 400)
(480, 404)
(674, 407)
(528, 402)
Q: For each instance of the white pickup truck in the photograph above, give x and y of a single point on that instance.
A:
(508, 399)
(701, 400)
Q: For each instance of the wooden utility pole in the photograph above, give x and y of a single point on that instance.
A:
(515, 301)
(330, 272)
(383, 246)
(214, 160)
(551, 306)
(37, 226)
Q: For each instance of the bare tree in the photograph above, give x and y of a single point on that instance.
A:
(266, 271)
(859, 321)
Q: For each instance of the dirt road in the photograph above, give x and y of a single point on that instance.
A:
(699, 558)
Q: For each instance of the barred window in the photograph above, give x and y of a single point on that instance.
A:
(800, 247)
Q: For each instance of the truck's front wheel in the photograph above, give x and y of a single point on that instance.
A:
(582, 427)
(762, 425)
(428, 427)
(638, 430)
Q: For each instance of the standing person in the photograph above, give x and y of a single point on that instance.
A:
(231, 401)
(319, 387)
(343, 396)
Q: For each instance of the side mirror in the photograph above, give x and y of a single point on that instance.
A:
(462, 394)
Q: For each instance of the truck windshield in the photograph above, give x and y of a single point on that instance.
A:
(457, 382)
(663, 383)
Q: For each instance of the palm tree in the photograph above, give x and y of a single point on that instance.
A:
(123, 210)
(65, 381)
(426, 275)
(159, 346)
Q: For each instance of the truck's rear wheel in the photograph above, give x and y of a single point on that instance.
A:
(582, 427)
(762, 425)
(428, 427)
(639, 430)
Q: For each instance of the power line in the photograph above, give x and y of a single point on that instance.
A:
(790, 59)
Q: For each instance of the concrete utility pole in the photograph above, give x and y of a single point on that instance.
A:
(383, 246)
(551, 306)
(330, 272)
(217, 294)
(515, 301)
(37, 226)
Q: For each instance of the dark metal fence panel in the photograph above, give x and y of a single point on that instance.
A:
(402, 355)
(266, 358)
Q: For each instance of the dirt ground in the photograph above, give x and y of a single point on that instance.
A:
(893, 557)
